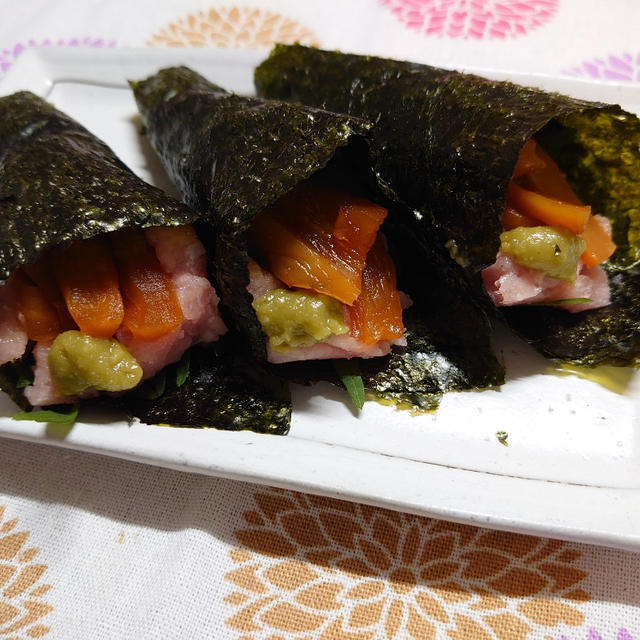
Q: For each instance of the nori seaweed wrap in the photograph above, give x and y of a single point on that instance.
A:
(69, 207)
(236, 157)
(447, 143)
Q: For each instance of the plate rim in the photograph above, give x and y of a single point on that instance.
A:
(614, 513)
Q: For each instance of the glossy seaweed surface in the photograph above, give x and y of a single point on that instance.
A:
(448, 333)
(59, 183)
(443, 142)
(221, 391)
(232, 156)
(446, 144)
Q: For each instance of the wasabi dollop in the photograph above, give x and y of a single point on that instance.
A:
(78, 362)
(553, 250)
(298, 318)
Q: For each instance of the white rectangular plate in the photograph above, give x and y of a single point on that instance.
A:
(572, 465)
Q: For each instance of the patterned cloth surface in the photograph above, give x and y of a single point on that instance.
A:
(94, 547)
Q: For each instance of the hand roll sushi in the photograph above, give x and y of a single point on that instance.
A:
(552, 247)
(537, 189)
(103, 278)
(306, 253)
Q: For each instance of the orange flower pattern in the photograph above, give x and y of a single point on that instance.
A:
(21, 607)
(323, 569)
(240, 27)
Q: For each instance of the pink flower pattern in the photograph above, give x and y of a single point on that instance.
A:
(488, 19)
(623, 67)
(9, 56)
(623, 634)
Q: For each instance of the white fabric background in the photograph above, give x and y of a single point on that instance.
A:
(133, 551)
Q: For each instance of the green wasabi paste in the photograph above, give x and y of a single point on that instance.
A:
(553, 250)
(298, 318)
(78, 362)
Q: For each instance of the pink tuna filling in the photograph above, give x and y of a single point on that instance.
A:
(13, 335)
(182, 257)
(509, 283)
(342, 346)
(42, 391)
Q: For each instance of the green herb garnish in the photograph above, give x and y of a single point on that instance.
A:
(349, 373)
(155, 388)
(22, 382)
(182, 370)
(554, 303)
(47, 415)
(502, 437)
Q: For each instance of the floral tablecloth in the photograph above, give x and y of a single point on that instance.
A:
(94, 547)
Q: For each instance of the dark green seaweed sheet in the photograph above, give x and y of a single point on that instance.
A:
(443, 142)
(59, 183)
(609, 335)
(232, 156)
(446, 144)
(448, 334)
(222, 390)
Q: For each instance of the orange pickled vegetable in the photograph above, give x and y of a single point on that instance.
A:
(600, 246)
(550, 181)
(358, 222)
(41, 319)
(151, 305)
(88, 280)
(548, 210)
(377, 313)
(529, 158)
(318, 239)
(299, 263)
(512, 219)
(41, 274)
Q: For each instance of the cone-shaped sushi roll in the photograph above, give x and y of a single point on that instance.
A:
(103, 278)
(307, 254)
(537, 190)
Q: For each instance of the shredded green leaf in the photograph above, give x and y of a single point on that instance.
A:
(23, 382)
(553, 303)
(155, 388)
(502, 437)
(46, 415)
(349, 373)
(182, 371)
